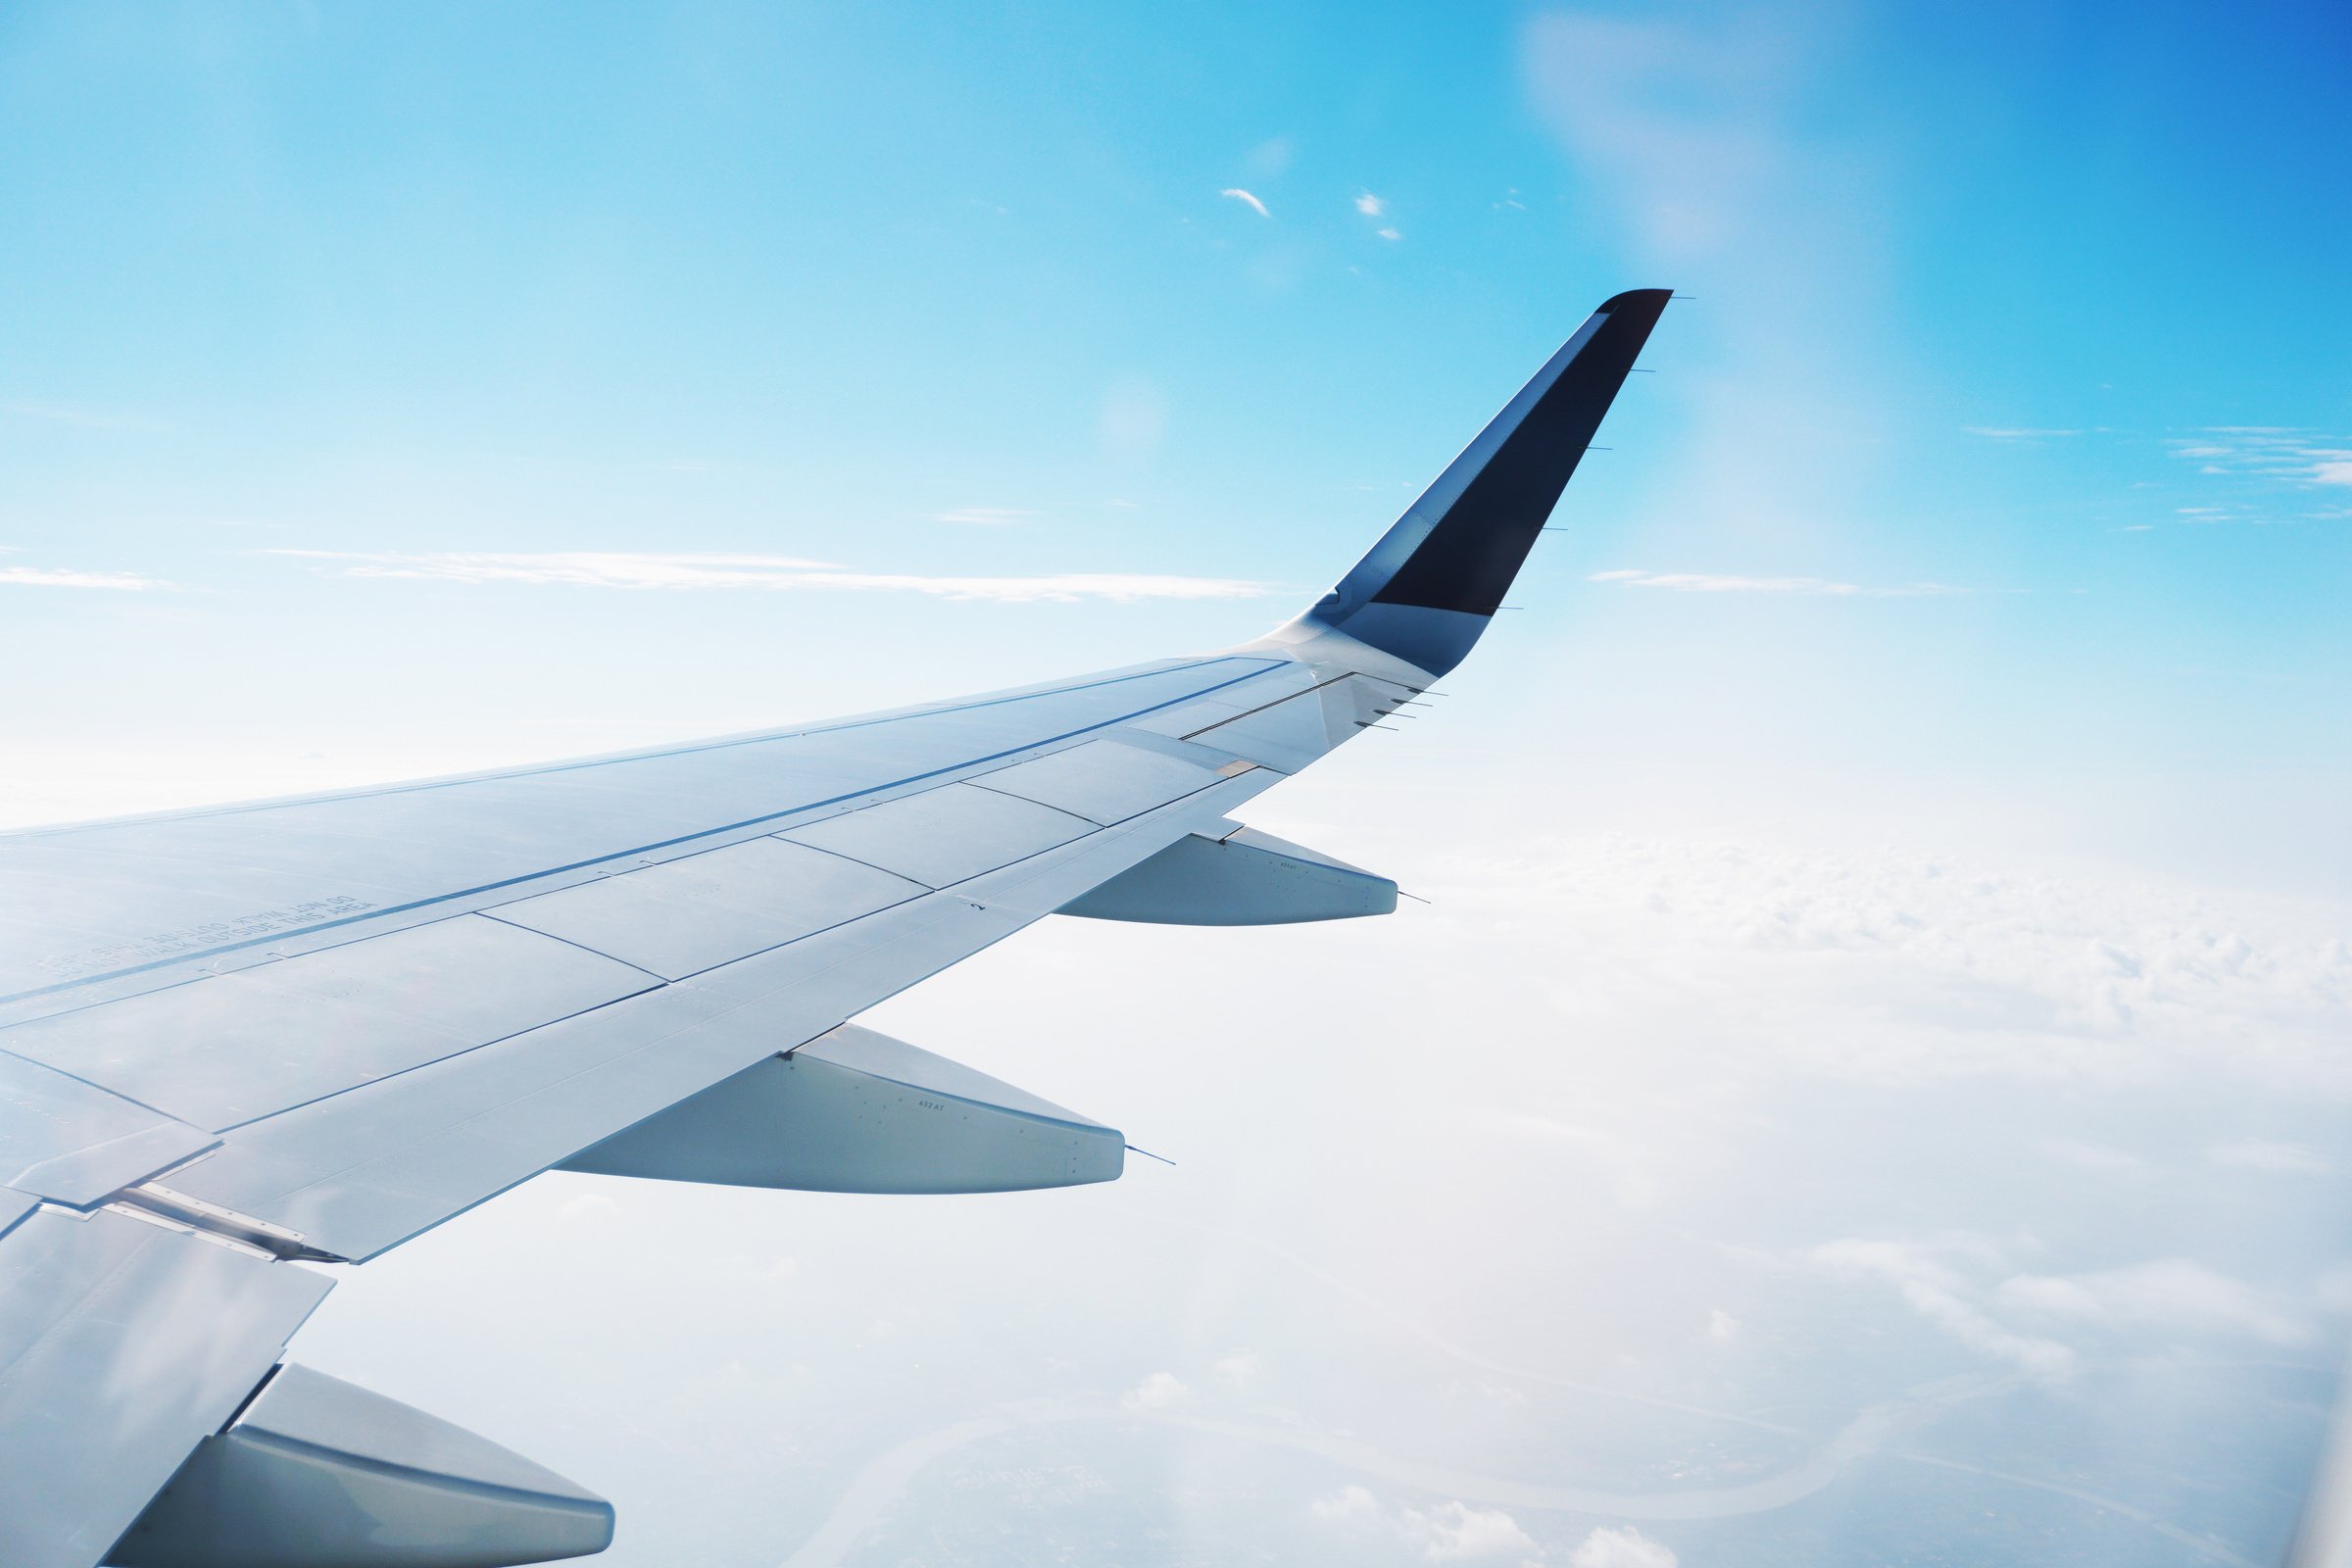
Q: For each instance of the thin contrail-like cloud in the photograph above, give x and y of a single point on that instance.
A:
(1718, 582)
(776, 573)
(49, 577)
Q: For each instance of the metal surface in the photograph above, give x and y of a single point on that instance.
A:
(683, 916)
(363, 1170)
(943, 836)
(316, 1473)
(1185, 718)
(1105, 781)
(140, 903)
(1289, 733)
(121, 1345)
(229, 1049)
(856, 1111)
(64, 1140)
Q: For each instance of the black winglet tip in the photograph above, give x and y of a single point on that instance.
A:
(1653, 300)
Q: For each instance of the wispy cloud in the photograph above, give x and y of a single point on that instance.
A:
(2167, 1292)
(579, 568)
(1703, 135)
(1621, 1548)
(1716, 582)
(984, 517)
(1931, 1276)
(776, 573)
(1159, 1391)
(51, 577)
(1448, 1532)
(1245, 199)
(2002, 432)
(1374, 207)
(1270, 158)
(2297, 455)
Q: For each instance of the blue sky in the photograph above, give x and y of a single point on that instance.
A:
(2027, 323)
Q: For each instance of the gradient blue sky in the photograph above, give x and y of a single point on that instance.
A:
(2029, 323)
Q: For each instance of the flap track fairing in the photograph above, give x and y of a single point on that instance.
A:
(1243, 877)
(856, 1111)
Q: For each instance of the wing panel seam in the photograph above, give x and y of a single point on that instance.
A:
(602, 859)
(241, 808)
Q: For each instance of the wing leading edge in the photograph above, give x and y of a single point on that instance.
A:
(310, 1029)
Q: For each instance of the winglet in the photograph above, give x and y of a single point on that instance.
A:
(1426, 591)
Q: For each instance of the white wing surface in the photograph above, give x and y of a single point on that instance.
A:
(238, 1040)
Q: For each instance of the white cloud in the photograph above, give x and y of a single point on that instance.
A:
(1245, 199)
(1621, 1548)
(1161, 1390)
(2283, 454)
(984, 517)
(1455, 1532)
(1701, 130)
(1688, 118)
(1389, 234)
(624, 570)
(1952, 968)
(1447, 1532)
(1927, 1276)
(1964, 1286)
(2287, 1160)
(1349, 1504)
(2170, 1293)
(1370, 205)
(578, 568)
(1239, 1369)
(1722, 1327)
(1716, 582)
(49, 577)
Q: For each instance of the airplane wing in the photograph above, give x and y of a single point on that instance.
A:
(238, 1041)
